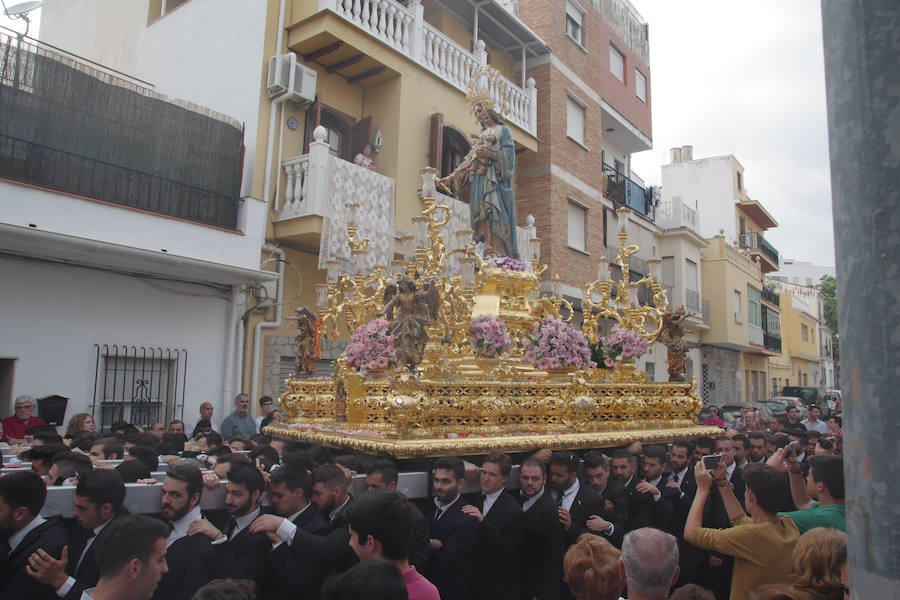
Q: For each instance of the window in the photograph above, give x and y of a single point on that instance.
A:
(738, 304)
(691, 285)
(804, 333)
(617, 64)
(754, 314)
(577, 226)
(574, 22)
(640, 85)
(740, 181)
(575, 119)
(650, 370)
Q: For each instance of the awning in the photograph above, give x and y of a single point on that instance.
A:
(499, 26)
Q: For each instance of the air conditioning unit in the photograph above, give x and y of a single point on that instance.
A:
(289, 78)
(738, 317)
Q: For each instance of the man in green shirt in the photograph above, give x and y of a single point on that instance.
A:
(820, 498)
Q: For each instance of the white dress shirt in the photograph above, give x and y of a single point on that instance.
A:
(656, 483)
(64, 588)
(568, 497)
(241, 523)
(287, 529)
(443, 507)
(489, 500)
(529, 502)
(180, 527)
(16, 538)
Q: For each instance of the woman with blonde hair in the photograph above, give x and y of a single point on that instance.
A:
(80, 424)
(818, 557)
(591, 569)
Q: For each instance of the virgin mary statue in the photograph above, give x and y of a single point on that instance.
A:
(488, 170)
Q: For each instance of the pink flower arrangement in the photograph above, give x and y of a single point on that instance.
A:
(489, 336)
(619, 345)
(371, 347)
(508, 263)
(554, 344)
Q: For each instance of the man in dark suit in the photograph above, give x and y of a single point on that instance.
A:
(329, 494)
(291, 573)
(577, 503)
(612, 493)
(98, 500)
(453, 533)
(23, 532)
(690, 557)
(384, 475)
(191, 558)
(640, 504)
(717, 575)
(495, 570)
(656, 475)
(243, 554)
(544, 542)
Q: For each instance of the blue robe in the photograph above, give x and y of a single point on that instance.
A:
(491, 195)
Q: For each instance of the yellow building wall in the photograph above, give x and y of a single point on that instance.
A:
(796, 353)
(721, 278)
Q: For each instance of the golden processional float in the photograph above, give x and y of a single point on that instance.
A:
(438, 393)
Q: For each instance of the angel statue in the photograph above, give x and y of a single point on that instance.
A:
(672, 337)
(410, 312)
(306, 342)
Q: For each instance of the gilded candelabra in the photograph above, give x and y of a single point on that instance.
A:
(606, 298)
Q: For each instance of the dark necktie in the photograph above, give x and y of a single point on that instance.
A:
(675, 477)
(483, 500)
(437, 513)
(87, 545)
(229, 530)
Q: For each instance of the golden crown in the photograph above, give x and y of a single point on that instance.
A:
(478, 90)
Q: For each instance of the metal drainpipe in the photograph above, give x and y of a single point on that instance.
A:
(862, 51)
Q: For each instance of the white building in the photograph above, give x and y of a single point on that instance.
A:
(125, 244)
(801, 273)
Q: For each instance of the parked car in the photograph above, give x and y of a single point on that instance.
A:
(780, 404)
(731, 414)
(811, 396)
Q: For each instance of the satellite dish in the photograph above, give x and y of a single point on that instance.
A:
(20, 11)
(22, 8)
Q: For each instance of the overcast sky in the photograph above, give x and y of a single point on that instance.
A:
(747, 78)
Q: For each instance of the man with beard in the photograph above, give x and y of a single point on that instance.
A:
(756, 451)
(98, 500)
(612, 494)
(239, 423)
(640, 504)
(544, 545)
(22, 531)
(291, 573)
(690, 557)
(191, 558)
(453, 533)
(576, 502)
(656, 462)
(131, 558)
(329, 494)
(243, 554)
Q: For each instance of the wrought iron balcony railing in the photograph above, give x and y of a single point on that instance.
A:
(752, 240)
(626, 191)
(771, 342)
(771, 296)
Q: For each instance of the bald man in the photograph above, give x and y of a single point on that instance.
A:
(206, 413)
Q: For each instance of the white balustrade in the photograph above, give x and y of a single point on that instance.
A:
(404, 29)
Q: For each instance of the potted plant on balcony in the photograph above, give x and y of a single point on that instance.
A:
(371, 349)
(557, 347)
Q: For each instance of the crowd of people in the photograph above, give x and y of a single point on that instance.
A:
(753, 514)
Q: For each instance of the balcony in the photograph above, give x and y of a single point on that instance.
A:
(757, 245)
(404, 29)
(771, 341)
(771, 296)
(676, 214)
(70, 127)
(623, 190)
(311, 209)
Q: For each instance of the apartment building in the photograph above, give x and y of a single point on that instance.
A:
(593, 112)
(125, 242)
(807, 355)
(745, 316)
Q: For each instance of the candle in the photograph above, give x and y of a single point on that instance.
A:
(624, 216)
(603, 269)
